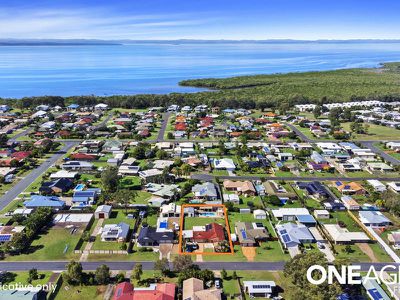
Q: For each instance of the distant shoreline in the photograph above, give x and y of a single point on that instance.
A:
(90, 42)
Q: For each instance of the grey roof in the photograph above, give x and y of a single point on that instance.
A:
(206, 189)
(373, 217)
(290, 232)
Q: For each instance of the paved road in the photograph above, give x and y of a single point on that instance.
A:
(21, 134)
(209, 177)
(301, 135)
(385, 156)
(160, 137)
(31, 177)
(128, 265)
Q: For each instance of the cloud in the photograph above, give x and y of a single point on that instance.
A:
(90, 23)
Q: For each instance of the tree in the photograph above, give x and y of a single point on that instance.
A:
(102, 274)
(170, 135)
(186, 169)
(317, 111)
(137, 272)
(182, 262)
(74, 274)
(109, 179)
(224, 274)
(120, 277)
(32, 275)
(296, 272)
(125, 197)
(162, 265)
(234, 275)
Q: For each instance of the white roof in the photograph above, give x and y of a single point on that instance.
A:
(291, 211)
(321, 212)
(343, 235)
(104, 208)
(254, 287)
(64, 174)
(224, 163)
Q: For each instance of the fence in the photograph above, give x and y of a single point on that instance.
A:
(100, 252)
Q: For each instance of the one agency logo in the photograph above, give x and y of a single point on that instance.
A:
(317, 274)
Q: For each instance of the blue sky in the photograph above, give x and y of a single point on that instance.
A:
(200, 19)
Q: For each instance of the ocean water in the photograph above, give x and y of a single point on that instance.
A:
(157, 68)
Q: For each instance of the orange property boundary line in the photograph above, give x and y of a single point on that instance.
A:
(226, 227)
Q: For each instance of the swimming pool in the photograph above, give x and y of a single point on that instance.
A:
(79, 187)
(208, 214)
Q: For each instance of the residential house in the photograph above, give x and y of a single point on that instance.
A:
(166, 191)
(150, 174)
(44, 201)
(377, 185)
(314, 189)
(273, 188)
(374, 219)
(259, 289)
(341, 235)
(350, 188)
(193, 289)
(7, 232)
(77, 165)
(205, 191)
(289, 214)
(58, 186)
(233, 198)
(293, 235)
(211, 233)
(394, 186)
(250, 234)
(245, 188)
(115, 232)
(158, 291)
(150, 237)
(350, 203)
(224, 164)
(170, 210)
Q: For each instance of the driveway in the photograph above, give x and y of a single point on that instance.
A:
(165, 251)
(293, 251)
(249, 253)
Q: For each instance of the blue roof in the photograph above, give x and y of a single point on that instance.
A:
(44, 201)
(80, 199)
(86, 193)
(306, 219)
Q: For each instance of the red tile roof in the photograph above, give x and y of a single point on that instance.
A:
(215, 233)
(163, 291)
(20, 155)
(83, 156)
(180, 126)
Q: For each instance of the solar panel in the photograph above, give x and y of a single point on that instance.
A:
(286, 238)
(375, 294)
(283, 231)
(5, 237)
(244, 235)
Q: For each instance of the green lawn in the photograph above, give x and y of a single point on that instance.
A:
(231, 286)
(356, 254)
(190, 222)
(21, 277)
(55, 244)
(69, 292)
(343, 216)
(375, 132)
